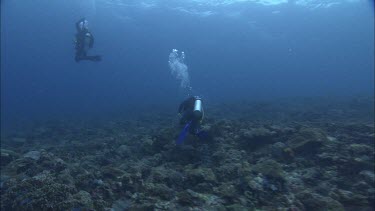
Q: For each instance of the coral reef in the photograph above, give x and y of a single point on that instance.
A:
(302, 156)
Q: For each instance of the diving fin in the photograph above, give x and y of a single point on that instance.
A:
(184, 132)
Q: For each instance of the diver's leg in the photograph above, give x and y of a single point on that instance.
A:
(80, 55)
(94, 58)
(77, 57)
(194, 127)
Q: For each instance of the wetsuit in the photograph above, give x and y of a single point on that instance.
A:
(84, 41)
(186, 109)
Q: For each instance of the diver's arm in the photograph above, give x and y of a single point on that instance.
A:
(181, 107)
(79, 40)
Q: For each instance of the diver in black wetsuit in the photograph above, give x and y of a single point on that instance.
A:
(191, 110)
(84, 41)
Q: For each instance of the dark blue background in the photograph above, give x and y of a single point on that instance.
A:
(258, 55)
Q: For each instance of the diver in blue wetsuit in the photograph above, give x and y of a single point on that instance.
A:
(191, 115)
(84, 41)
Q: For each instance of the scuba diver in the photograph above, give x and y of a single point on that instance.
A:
(191, 115)
(84, 41)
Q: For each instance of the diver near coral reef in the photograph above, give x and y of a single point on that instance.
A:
(84, 40)
(191, 115)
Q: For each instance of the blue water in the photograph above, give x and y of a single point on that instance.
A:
(235, 50)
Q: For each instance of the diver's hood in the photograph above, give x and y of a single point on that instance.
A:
(84, 25)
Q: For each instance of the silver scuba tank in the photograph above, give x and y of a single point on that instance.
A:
(87, 41)
(198, 110)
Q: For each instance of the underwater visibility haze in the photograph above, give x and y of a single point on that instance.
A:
(282, 117)
(234, 50)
